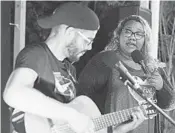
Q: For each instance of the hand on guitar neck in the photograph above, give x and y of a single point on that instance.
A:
(137, 118)
(86, 118)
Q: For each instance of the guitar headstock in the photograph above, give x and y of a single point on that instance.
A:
(149, 92)
(144, 90)
(148, 110)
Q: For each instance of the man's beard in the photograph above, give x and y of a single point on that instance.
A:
(73, 53)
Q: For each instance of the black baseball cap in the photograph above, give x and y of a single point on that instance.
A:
(71, 14)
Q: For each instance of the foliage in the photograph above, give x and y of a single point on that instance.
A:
(166, 51)
(167, 37)
(36, 9)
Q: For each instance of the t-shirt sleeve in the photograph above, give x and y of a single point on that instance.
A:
(32, 57)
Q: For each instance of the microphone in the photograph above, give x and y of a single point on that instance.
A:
(138, 58)
(165, 96)
(127, 74)
(137, 88)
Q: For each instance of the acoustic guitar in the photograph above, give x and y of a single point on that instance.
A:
(83, 104)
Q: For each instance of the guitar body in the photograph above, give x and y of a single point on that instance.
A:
(83, 104)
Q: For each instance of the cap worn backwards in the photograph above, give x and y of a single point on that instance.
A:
(71, 14)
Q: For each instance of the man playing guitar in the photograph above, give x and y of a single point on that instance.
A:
(43, 82)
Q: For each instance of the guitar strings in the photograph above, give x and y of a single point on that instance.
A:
(64, 127)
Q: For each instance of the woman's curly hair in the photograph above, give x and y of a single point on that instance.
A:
(114, 43)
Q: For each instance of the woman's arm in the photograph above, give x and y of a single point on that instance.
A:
(93, 77)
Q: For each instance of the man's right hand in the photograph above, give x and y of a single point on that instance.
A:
(81, 123)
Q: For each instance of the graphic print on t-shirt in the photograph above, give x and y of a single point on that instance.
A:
(64, 86)
(146, 90)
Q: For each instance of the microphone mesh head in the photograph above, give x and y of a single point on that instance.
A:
(137, 56)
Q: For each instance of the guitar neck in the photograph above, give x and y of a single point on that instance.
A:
(111, 119)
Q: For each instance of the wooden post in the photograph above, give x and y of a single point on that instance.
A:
(144, 4)
(155, 6)
(20, 25)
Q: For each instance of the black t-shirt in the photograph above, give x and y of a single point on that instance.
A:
(55, 78)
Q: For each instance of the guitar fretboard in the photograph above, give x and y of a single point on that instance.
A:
(100, 122)
(111, 119)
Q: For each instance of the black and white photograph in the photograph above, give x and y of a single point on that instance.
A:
(88, 66)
